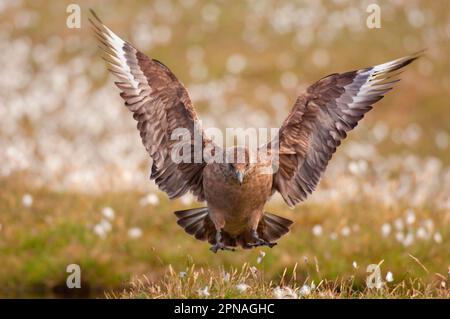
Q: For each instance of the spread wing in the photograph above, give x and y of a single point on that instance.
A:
(161, 105)
(321, 118)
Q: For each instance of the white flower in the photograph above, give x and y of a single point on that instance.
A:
(355, 265)
(134, 232)
(408, 240)
(187, 199)
(345, 231)
(422, 233)
(242, 287)
(399, 236)
(102, 228)
(226, 276)
(182, 274)
(437, 237)
(253, 270)
(333, 236)
(260, 257)
(108, 213)
(305, 290)
(442, 140)
(203, 292)
(284, 293)
(385, 229)
(317, 230)
(106, 225)
(150, 199)
(389, 277)
(410, 217)
(27, 200)
(398, 223)
(236, 63)
(100, 231)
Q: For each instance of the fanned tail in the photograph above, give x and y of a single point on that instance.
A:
(196, 222)
(273, 227)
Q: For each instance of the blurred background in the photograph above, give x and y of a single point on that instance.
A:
(74, 184)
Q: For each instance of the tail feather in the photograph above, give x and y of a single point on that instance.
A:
(196, 222)
(272, 227)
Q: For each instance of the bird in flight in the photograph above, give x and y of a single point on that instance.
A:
(236, 191)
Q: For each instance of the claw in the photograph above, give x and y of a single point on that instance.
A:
(259, 241)
(219, 246)
(262, 243)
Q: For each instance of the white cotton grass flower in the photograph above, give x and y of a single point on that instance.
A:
(422, 233)
(437, 237)
(210, 13)
(345, 231)
(442, 140)
(399, 236)
(355, 265)
(398, 223)
(386, 229)
(305, 290)
(242, 287)
(284, 293)
(410, 217)
(134, 232)
(203, 292)
(236, 63)
(150, 199)
(99, 231)
(102, 228)
(187, 199)
(408, 240)
(389, 277)
(317, 230)
(261, 256)
(27, 200)
(106, 225)
(108, 213)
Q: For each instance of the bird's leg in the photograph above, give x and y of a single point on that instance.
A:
(259, 241)
(219, 245)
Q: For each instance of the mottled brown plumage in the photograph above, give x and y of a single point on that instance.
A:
(237, 191)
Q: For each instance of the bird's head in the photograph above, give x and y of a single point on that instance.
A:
(238, 163)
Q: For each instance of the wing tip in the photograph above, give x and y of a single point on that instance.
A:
(93, 14)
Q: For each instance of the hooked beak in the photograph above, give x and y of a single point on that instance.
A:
(240, 177)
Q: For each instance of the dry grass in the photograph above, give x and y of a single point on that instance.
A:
(250, 282)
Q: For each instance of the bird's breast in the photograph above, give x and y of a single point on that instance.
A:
(223, 192)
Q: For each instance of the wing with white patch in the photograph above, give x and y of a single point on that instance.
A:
(321, 118)
(160, 104)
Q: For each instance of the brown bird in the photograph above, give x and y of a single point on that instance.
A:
(236, 191)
